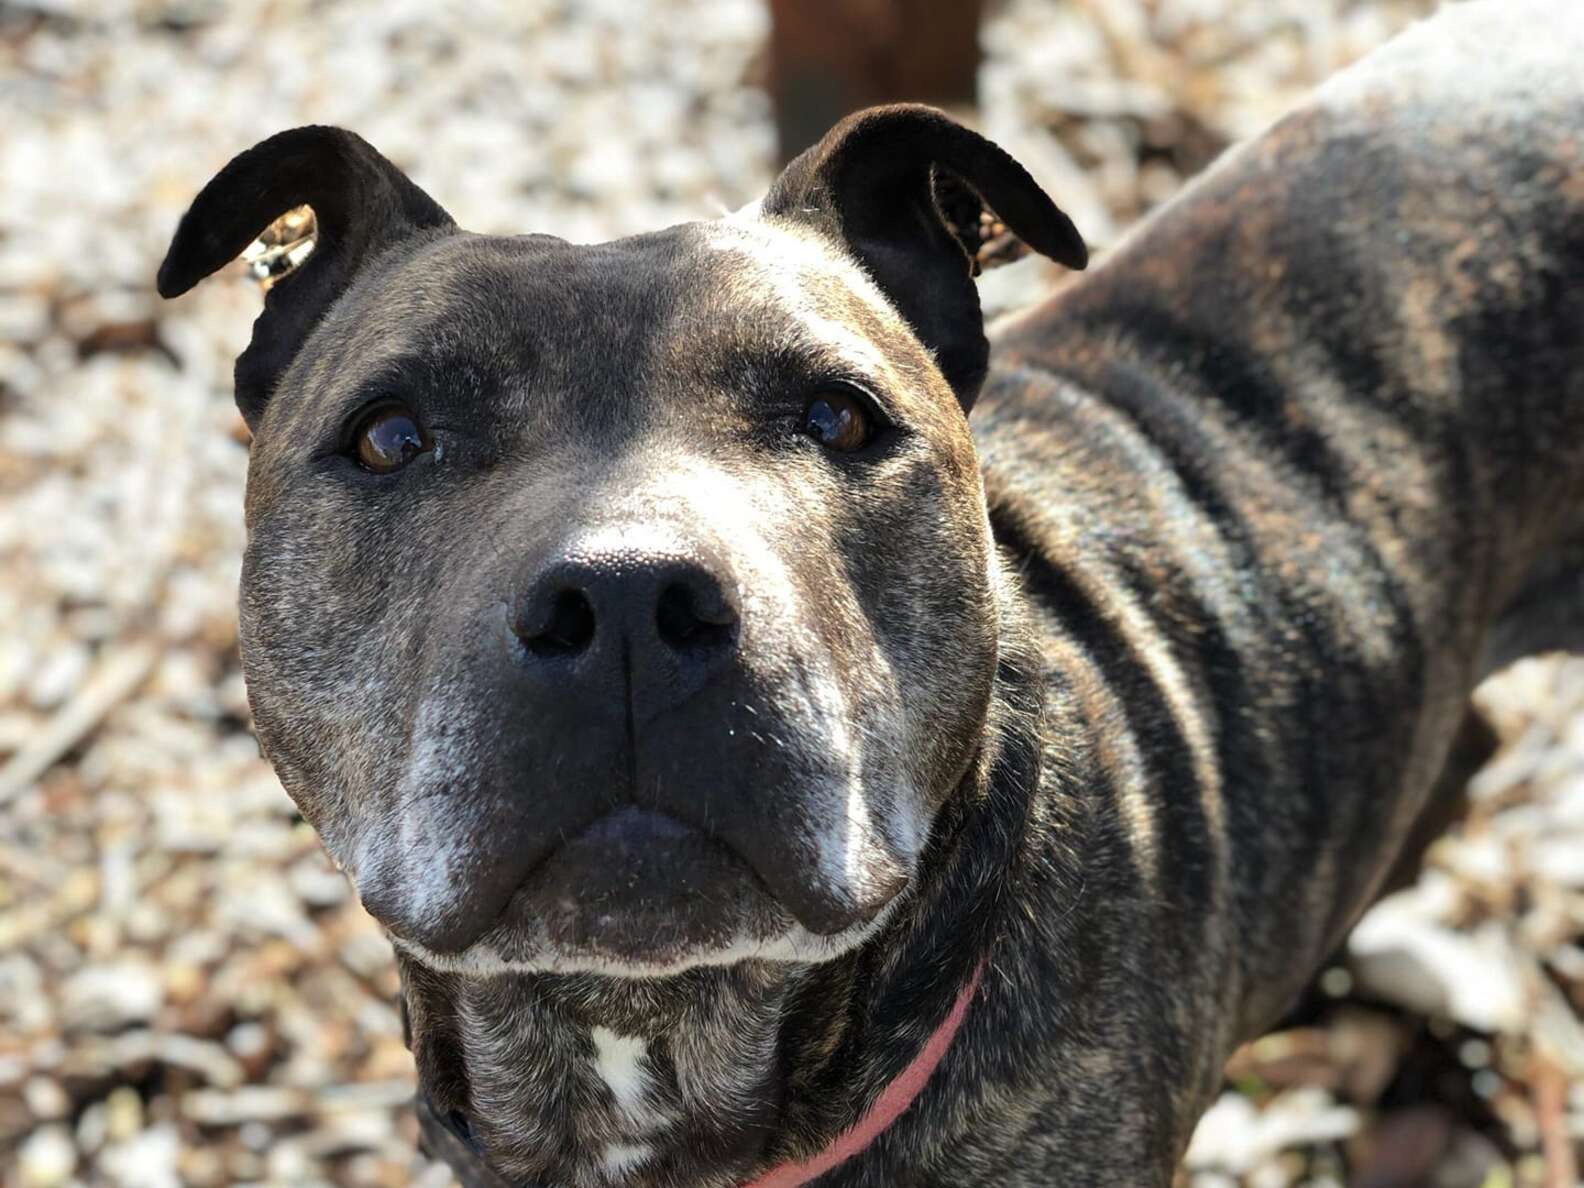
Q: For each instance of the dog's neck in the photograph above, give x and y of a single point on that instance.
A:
(580, 1079)
(710, 1076)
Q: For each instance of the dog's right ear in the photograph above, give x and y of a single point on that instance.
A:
(873, 184)
(361, 203)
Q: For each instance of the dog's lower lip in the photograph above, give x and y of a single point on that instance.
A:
(638, 819)
(634, 826)
(642, 885)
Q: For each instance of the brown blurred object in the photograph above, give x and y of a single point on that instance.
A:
(1405, 1148)
(830, 57)
(1354, 1056)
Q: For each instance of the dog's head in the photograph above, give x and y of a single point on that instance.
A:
(628, 606)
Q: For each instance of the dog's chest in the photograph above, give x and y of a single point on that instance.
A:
(561, 1104)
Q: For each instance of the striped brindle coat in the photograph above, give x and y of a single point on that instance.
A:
(700, 698)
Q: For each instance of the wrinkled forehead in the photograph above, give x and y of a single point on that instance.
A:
(686, 301)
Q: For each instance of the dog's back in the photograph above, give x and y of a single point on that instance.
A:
(1299, 464)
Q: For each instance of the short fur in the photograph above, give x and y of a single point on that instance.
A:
(1134, 693)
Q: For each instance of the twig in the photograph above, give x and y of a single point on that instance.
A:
(1549, 1087)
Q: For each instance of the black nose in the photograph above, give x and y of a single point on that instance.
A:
(654, 605)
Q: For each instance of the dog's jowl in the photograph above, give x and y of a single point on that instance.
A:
(789, 736)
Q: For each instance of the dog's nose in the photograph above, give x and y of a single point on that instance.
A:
(673, 603)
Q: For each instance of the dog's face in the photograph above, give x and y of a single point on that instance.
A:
(631, 662)
(620, 607)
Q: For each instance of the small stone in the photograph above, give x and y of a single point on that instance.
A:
(289, 1162)
(317, 884)
(109, 997)
(93, 1128)
(24, 317)
(45, 1098)
(1560, 858)
(344, 1134)
(149, 1159)
(47, 1158)
(202, 1167)
(1474, 978)
(124, 1113)
(250, 1044)
(58, 677)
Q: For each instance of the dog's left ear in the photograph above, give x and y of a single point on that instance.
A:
(871, 183)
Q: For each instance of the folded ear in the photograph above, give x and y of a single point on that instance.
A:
(361, 203)
(871, 184)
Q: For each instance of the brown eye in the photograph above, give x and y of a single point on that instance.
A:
(388, 438)
(838, 421)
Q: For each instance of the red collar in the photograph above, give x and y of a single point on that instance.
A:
(448, 1139)
(887, 1108)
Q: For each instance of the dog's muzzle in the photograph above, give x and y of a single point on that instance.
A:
(630, 787)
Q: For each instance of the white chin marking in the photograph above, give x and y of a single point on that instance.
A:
(796, 946)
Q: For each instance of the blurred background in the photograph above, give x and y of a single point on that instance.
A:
(188, 994)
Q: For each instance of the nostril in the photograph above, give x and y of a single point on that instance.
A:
(569, 627)
(686, 620)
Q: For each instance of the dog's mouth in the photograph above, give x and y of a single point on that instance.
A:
(640, 887)
(641, 892)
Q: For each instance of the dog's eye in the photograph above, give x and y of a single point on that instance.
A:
(389, 437)
(838, 421)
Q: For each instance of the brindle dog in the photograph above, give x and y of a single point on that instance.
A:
(703, 701)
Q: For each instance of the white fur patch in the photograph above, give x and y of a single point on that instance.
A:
(430, 829)
(619, 1060)
(621, 1158)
